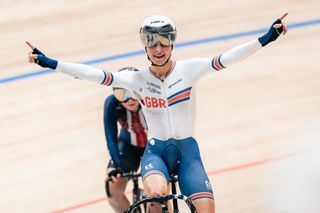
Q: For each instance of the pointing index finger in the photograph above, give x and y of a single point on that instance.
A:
(283, 16)
(30, 45)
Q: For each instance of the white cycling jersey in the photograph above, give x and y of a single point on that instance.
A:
(169, 105)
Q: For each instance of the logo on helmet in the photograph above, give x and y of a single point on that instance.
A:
(155, 22)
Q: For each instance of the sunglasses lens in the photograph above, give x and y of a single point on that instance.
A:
(164, 41)
(151, 40)
(123, 95)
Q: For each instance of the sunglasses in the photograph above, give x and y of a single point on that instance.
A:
(151, 40)
(123, 95)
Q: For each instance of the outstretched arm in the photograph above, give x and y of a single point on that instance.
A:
(80, 71)
(124, 79)
(241, 52)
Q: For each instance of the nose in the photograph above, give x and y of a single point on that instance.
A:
(158, 46)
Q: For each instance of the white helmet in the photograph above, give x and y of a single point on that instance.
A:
(155, 26)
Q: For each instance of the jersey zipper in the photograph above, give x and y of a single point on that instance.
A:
(167, 107)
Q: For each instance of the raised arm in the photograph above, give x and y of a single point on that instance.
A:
(124, 79)
(241, 52)
(80, 71)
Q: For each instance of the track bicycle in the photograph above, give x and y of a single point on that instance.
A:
(162, 200)
(137, 192)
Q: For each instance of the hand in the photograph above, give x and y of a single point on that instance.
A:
(33, 56)
(36, 56)
(281, 26)
(277, 28)
(114, 174)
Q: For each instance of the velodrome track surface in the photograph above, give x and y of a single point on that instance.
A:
(257, 122)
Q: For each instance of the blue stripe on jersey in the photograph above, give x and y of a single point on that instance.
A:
(178, 101)
(216, 63)
(111, 79)
(107, 78)
(104, 77)
(177, 93)
(202, 197)
(212, 65)
(219, 61)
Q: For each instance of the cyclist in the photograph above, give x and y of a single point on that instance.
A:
(125, 145)
(166, 91)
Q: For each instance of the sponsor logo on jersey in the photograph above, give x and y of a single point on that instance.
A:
(153, 90)
(150, 84)
(152, 142)
(208, 184)
(149, 166)
(175, 83)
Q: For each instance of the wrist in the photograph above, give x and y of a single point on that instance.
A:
(46, 62)
(272, 34)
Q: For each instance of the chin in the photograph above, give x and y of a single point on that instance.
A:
(133, 107)
(160, 63)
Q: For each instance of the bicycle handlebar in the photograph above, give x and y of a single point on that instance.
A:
(164, 199)
(129, 175)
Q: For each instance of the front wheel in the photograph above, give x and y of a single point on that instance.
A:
(137, 210)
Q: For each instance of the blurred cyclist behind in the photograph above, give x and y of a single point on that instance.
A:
(125, 144)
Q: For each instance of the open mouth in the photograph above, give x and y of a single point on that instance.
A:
(159, 56)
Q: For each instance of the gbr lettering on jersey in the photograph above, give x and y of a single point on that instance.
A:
(153, 102)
